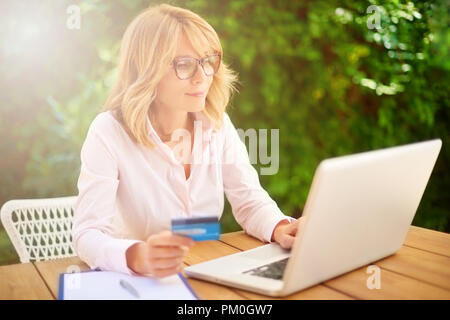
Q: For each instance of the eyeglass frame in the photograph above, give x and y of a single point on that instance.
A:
(199, 62)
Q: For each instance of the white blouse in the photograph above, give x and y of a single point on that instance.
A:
(128, 192)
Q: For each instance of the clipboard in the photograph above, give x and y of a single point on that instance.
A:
(105, 285)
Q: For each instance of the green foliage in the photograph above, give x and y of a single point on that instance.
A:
(333, 86)
(313, 69)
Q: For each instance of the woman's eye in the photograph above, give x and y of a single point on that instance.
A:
(184, 65)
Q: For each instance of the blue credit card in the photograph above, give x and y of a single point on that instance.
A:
(197, 228)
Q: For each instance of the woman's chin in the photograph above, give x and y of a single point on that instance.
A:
(198, 108)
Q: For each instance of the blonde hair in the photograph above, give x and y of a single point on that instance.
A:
(148, 45)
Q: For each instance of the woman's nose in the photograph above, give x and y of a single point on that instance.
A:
(199, 75)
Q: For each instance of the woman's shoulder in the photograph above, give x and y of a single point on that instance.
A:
(227, 124)
(104, 123)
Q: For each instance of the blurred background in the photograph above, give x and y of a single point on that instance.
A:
(336, 77)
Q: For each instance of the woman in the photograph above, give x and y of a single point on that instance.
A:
(136, 175)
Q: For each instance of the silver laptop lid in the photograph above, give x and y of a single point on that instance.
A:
(358, 210)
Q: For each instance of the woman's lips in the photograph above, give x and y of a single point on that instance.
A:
(196, 94)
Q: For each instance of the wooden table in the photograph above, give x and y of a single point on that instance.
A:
(419, 270)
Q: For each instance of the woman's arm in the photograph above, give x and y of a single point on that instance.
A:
(95, 208)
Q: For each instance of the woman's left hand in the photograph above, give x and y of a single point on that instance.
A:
(284, 233)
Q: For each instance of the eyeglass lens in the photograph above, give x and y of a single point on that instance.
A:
(186, 67)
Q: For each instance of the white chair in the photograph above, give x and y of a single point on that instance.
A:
(40, 229)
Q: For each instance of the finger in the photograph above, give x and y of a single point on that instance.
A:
(168, 252)
(161, 273)
(293, 227)
(292, 230)
(167, 238)
(287, 241)
(166, 263)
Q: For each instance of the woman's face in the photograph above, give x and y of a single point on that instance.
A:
(174, 93)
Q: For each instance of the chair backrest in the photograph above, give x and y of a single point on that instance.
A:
(40, 229)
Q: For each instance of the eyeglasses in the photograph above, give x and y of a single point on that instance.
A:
(186, 67)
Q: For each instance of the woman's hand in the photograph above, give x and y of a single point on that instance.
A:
(160, 255)
(284, 233)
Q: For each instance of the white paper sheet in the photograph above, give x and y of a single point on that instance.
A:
(105, 285)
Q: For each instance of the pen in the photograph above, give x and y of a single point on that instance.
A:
(127, 286)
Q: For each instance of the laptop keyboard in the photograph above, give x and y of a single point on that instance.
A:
(272, 270)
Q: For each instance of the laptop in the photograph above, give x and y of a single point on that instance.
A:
(359, 210)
